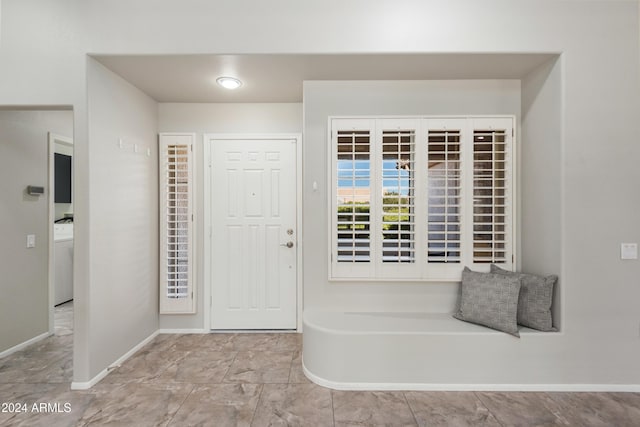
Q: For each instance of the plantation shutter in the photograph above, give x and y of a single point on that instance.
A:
(176, 224)
(397, 187)
(351, 208)
(398, 196)
(444, 196)
(420, 198)
(492, 191)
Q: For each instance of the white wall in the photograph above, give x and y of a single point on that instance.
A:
(429, 97)
(218, 118)
(43, 62)
(124, 217)
(540, 177)
(24, 160)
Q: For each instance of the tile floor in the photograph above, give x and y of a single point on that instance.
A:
(257, 380)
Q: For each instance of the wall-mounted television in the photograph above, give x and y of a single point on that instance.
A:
(62, 168)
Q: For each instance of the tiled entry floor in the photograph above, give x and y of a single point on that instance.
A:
(256, 379)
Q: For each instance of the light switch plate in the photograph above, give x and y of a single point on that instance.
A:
(31, 240)
(628, 250)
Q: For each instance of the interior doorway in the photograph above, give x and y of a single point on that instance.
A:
(28, 319)
(61, 230)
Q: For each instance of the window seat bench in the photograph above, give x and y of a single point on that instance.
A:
(419, 351)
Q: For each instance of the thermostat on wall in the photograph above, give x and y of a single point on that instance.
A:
(34, 190)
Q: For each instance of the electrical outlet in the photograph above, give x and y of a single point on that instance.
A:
(31, 241)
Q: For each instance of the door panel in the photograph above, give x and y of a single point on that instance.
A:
(253, 205)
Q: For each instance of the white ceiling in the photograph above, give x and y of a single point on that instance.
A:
(278, 78)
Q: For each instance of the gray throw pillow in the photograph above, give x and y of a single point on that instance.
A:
(536, 296)
(489, 299)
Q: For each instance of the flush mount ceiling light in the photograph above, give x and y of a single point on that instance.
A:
(229, 82)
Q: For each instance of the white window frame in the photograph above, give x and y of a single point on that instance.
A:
(420, 270)
(187, 304)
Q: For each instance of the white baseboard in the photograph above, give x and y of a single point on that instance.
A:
(631, 388)
(183, 331)
(227, 331)
(77, 385)
(25, 344)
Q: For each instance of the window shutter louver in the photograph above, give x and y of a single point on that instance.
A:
(444, 196)
(354, 196)
(398, 196)
(490, 196)
(176, 223)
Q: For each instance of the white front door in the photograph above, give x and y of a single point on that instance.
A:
(253, 217)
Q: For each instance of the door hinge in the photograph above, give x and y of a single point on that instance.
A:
(191, 217)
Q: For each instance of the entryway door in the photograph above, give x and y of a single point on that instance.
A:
(253, 247)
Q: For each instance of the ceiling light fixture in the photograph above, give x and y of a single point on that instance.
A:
(229, 82)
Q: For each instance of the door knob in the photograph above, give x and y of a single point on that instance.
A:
(288, 244)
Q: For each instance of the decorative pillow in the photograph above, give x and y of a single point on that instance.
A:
(490, 299)
(536, 296)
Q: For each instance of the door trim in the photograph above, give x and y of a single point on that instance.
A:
(208, 140)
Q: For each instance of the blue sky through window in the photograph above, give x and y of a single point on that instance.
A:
(356, 173)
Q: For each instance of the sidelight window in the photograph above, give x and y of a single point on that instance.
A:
(176, 223)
